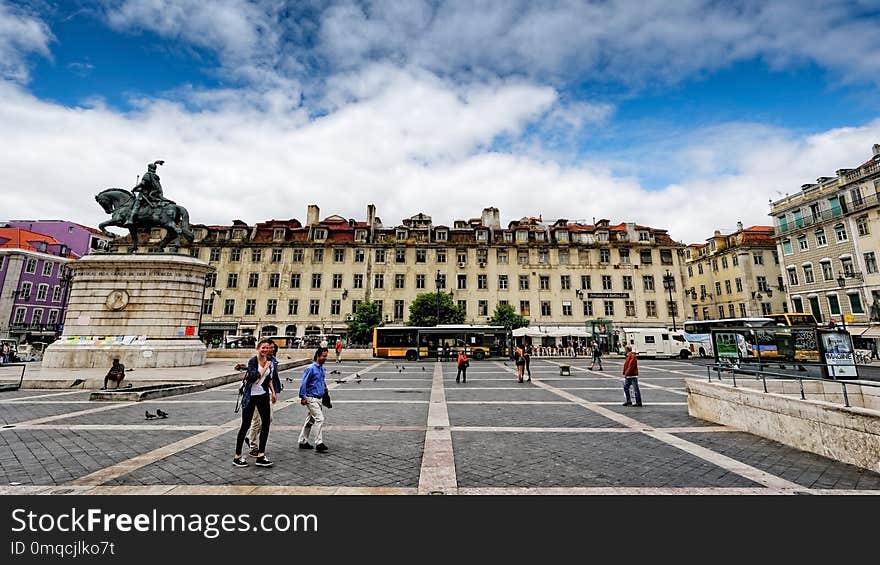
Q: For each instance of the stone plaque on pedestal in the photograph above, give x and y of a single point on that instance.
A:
(142, 309)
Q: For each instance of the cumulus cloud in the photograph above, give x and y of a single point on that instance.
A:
(21, 34)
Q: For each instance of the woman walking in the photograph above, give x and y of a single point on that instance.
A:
(463, 365)
(520, 360)
(258, 394)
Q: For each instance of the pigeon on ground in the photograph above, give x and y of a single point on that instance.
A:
(160, 413)
(357, 380)
(375, 378)
(423, 368)
(357, 360)
(77, 382)
(288, 379)
(402, 368)
(340, 381)
(148, 415)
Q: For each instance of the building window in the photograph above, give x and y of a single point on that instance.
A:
(630, 307)
(379, 281)
(316, 280)
(808, 274)
(461, 282)
(47, 268)
(399, 280)
(786, 248)
(336, 282)
(400, 255)
(846, 265)
(42, 292)
(421, 255)
(354, 306)
(758, 258)
(545, 308)
(821, 241)
(271, 306)
(862, 225)
(482, 282)
(232, 280)
(840, 230)
(651, 308)
(336, 307)
(441, 235)
(645, 257)
(565, 282)
(833, 305)
(235, 255)
(398, 309)
(339, 255)
(606, 282)
(278, 234)
(214, 255)
(358, 255)
(420, 281)
(762, 283)
(802, 243)
(604, 255)
(544, 282)
(766, 308)
(253, 280)
(870, 262)
(524, 308)
(358, 281)
(441, 255)
(250, 306)
(482, 307)
(317, 256)
(648, 282)
(585, 282)
(739, 284)
(827, 272)
(292, 306)
(297, 255)
(543, 256)
(229, 307)
(56, 294)
(276, 255)
(792, 276)
(256, 255)
(563, 257)
(588, 308)
(727, 288)
(294, 280)
(717, 288)
(501, 256)
(30, 266)
(742, 309)
(699, 268)
(609, 308)
(314, 307)
(522, 257)
(502, 282)
(523, 282)
(462, 305)
(566, 307)
(724, 262)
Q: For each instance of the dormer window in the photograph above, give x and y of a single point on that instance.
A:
(622, 236)
(482, 235)
(522, 235)
(442, 235)
(319, 234)
(602, 235)
(238, 234)
(401, 234)
(539, 236)
(508, 236)
(360, 235)
(278, 234)
(562, 236)
(644, 236)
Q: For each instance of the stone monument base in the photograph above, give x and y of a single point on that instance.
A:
(143, 309)
(153, 353)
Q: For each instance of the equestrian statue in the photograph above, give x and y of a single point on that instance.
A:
(145, 207)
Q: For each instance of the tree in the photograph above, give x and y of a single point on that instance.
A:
(507, 317)
(366, 317)
(423, 310)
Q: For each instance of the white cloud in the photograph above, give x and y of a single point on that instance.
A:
(20, 35)
(410, 143)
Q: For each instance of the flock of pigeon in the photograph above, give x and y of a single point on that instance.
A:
(159, 414)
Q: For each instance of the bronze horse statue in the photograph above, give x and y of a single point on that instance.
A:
(118, 202)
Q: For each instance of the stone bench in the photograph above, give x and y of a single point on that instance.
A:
(564, 370)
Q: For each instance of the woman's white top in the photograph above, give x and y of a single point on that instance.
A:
(257, 387)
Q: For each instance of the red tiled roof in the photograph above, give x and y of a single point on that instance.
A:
(19, 238)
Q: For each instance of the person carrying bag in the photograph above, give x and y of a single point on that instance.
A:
(463, 365)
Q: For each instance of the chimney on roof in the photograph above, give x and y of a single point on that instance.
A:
(371, 220)
(312, 215)
(876, 149)
(739, 226)
(491, 218)
(717, 233)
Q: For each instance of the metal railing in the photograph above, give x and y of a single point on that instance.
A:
(11, 385)
(733, 371)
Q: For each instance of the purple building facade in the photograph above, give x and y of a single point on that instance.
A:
(34, 278)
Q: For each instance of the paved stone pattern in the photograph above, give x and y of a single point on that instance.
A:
(803, 468)
(580, 460)
(608, 454)
(366, 459)
(46, 457)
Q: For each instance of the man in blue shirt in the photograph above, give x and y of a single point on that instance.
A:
(310, 392)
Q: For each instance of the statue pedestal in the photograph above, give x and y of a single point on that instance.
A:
(142, 309)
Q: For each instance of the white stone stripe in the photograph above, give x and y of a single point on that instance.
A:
(66, 415)
(527, 429)
(437, 472)
(366, 428)
(512, 402)
(26, 398)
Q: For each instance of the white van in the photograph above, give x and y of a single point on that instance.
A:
(656, 342)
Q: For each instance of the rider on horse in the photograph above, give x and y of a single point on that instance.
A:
(149, 191)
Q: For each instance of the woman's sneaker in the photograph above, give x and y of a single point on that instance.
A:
(239, 462)
(263, 462)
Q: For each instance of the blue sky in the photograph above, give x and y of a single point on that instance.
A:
(687, 116)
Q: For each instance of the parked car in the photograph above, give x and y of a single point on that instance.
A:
(241, 342)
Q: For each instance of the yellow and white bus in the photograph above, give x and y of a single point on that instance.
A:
(414, 342)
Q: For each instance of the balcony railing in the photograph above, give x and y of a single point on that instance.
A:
(825, 215)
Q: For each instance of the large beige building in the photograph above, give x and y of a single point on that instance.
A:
(293, 278)
(827, 236)
(734, 275)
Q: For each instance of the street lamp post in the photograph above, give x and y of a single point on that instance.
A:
(841, 282)
(669, 282)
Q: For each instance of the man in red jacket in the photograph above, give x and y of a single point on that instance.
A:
(631, 377)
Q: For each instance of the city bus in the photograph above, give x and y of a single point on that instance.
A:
(698, 334)
(794, 319)
(414, 342)
(798, 341)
